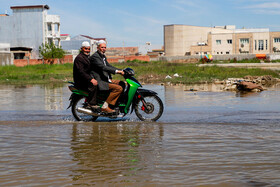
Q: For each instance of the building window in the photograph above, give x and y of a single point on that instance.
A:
(217, 53)
(276, 40)
(244, 40)
(218, 42)
(260, 45)
(229, 41)
(49, 27)
(227, 52)
(265, 44)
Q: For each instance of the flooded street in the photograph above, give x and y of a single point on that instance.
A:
(205, 138)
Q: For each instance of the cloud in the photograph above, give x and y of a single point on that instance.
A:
(264, 8)
(272, 5)
(188, 3)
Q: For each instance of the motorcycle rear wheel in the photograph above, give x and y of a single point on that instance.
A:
(79, 102)
(153, 111)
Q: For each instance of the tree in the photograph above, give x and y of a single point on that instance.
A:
(50, 52)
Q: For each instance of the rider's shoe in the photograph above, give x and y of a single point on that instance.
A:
(107, 110)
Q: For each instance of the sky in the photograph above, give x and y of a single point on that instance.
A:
(134, 22)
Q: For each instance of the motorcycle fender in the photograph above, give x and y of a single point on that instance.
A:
(145, 92)
(72, 98)
(141, 92)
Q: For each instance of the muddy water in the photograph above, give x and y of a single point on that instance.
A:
(205, 138)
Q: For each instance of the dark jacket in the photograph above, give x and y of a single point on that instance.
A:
(101, 71)
(81, 71)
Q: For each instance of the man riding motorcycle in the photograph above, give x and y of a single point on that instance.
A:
(101, 71)
(82, 75)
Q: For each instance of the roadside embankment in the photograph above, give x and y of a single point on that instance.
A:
(274, 66)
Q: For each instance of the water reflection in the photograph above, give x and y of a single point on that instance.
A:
(32, 97)
(114, 152)
(203, 138)
(53, 97)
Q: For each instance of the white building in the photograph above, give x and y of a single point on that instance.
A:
(182, 40)
(27, 28)
(74, 44)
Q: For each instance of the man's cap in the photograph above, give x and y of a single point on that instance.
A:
(101, 42)
(85, 44)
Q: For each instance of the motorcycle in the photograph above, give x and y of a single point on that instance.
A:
(146, 103)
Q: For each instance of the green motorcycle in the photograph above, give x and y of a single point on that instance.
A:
(146, 103)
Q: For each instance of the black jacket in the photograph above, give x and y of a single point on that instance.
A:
(81, 71)
(101, 71)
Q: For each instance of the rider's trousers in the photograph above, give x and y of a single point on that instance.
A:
(115, 92)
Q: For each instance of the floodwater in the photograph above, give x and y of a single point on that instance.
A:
(205, 138)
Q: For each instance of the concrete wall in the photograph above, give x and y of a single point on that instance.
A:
(274, 56)
(25, 62)
(264, 37)
(272, 36)
(5, 59)
(178, 39)
(224, 47)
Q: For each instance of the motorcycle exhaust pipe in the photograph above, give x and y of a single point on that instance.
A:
(86, 111)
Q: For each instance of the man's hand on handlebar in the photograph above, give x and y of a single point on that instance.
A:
(94, 82)
(120, 72)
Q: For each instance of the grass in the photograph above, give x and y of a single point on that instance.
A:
(35, 74)
(190, 73)
(146, 72)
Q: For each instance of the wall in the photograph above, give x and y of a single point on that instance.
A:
(265, 38)
(273, 56)
(273, 35)
(142, 58)
(127, 58)
(224, 47)
(24, 62)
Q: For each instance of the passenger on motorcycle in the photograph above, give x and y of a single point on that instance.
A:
(82, 77)
(102, 70)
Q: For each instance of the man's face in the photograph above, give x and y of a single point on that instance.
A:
(86, 50)
(102, 48)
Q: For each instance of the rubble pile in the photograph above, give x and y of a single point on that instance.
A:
(248, 83)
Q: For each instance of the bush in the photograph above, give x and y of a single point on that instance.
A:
(50, 52)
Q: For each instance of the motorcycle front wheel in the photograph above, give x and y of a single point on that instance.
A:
(79, 103)
(152, 111)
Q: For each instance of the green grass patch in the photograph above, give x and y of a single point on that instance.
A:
(42, 73)
(190, 73)
(147, 72)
